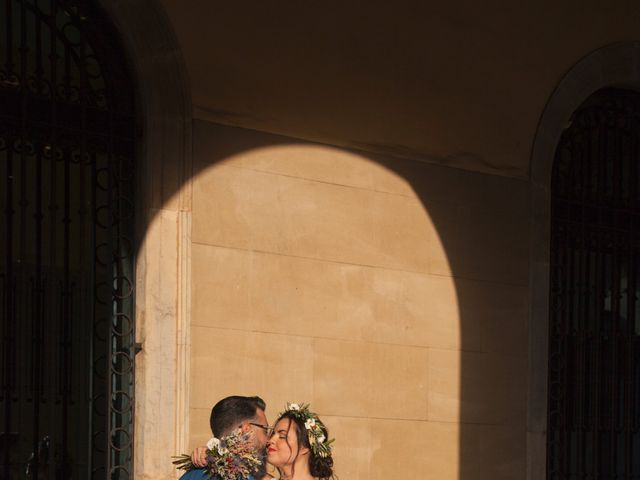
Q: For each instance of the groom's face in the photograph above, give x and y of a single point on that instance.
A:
(261, 435)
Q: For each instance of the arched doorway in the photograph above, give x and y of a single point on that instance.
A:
(594, 315)
(67, 151)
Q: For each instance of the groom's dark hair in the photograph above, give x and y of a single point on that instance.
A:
(230, 412)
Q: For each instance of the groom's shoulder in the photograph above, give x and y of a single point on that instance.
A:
(200, 474)
(197, 474)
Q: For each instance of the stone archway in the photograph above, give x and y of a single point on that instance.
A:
(163, 232)
(616, 65)
(164, 286)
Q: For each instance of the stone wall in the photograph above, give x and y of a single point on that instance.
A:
(390, 294)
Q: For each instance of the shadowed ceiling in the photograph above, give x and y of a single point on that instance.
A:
(461, 83)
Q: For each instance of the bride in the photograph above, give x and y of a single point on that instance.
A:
(299, 446)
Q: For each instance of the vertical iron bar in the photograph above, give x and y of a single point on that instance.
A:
(9, 339)
(587, 315)
(581, 320)
(570, 330)
(54, 314)
(36, 374)
(634, 284)
(81, 187)
(631, 281)
(37, 304)
(66, 296)
(94, 316)
(9, 39)
(53, 208)
(111, 426)
(615, 284)
(68, 152)
(600, 384)
(39, 70)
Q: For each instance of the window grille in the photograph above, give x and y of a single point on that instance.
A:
(67, 151)
(594, 338)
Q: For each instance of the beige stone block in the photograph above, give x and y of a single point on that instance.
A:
(474, 387)
(251, 149)
(489, 245)
(440, 184)
(352, 449)
(413, 309)
(274, 293)
(199, 428)
(411, 448)
(366, 379)
(221, 287)
(281, 294)
(252, 210)
(290, 157)
(279, 368)
(493, 317)
(166, 183)
(404, 233)
(446, 450)
(496, 452)
(157, 398)
(402, 175)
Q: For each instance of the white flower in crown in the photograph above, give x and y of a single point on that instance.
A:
(309, 424)
(321, 438)
(294, 406)
(213, 443)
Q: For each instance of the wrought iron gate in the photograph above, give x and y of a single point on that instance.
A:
(66, 267)
(594, 358)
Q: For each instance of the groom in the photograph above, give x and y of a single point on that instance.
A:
(229, 414)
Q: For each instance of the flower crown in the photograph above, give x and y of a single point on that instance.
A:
(314, 426)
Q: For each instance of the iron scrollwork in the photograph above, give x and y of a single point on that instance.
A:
(594, 338)
(67, 158)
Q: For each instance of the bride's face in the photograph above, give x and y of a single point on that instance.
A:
(282, 447)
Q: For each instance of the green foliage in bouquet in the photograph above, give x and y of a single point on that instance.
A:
(232, 457)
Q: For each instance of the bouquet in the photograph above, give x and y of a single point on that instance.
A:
(232, 457)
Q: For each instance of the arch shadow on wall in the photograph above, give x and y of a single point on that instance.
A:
(163, 298)
(615, 65)
(499, 444)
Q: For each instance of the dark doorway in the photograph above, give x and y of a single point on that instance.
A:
(594, 342)
(67, 141)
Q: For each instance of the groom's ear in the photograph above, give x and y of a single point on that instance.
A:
(245, 427)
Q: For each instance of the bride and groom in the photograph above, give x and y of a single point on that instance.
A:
(298, 446)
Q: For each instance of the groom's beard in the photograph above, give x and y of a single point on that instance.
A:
(261, 470)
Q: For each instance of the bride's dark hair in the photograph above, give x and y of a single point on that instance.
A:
(319, 467)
